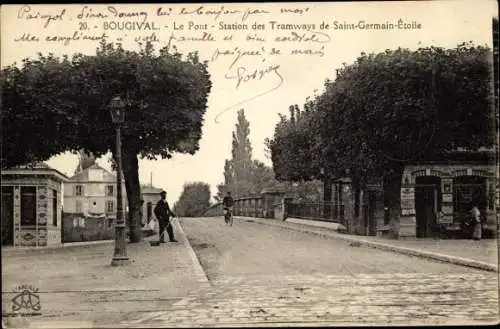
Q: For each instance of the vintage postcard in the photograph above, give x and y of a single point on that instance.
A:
(249, 164)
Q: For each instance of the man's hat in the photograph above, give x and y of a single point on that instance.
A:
(163, 193)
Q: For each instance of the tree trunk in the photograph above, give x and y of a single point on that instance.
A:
(392, 192)
(327, 197)
(131, 173)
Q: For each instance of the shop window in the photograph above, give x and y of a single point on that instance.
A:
(28, 205)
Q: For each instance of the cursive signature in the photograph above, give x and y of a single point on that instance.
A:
(245, 75)
(25, 12)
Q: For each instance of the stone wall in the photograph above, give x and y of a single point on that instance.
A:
(79, 228)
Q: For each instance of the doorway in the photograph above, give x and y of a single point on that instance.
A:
(54, 208)
(427, 205)
(28, 207)
(7, 216)
(149, 211)
(369, 210)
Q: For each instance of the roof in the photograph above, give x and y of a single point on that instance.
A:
(36, 168)
(146, 189)
(83, 176)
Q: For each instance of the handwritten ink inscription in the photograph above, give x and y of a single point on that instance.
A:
(255, 46)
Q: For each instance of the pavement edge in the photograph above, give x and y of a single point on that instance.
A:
(200, 272)
(377, 245)
(15, 251)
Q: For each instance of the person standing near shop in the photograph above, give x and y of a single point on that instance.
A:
(476, 223)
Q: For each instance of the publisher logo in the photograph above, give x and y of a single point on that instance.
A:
(26, 301)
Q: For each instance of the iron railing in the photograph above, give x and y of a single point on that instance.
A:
(316, 211)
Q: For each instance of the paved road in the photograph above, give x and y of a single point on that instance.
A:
(260, 276)
(80, 286)
(264, 276)
(249, 249)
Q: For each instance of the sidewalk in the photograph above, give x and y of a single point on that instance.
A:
(79, 284)
(10, 251)
(478, 254)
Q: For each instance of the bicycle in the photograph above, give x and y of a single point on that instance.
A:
(228, 216)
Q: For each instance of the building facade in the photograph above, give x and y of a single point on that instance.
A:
(31, 206)
(436, 199)
(91, 192)
(150, 196)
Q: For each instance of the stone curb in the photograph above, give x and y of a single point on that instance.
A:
(382, 246)
(202, 276)
(29, 250)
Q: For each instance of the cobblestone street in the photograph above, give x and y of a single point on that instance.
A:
(258, 276)
(336, 300)
(270, 276)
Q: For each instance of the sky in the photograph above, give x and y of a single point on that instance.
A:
(238, 43)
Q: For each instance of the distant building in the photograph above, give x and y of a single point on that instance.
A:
(92, 192)
(150, 196)
(31, 205)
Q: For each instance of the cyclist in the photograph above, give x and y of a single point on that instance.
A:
(227, 204)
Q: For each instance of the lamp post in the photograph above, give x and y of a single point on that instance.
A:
(117, 109)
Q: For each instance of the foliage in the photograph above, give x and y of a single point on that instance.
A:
(386, 110)
(30, 121)
(194, 200)
(243, 176)
(407, 106)
(62, 104)
(292, 147)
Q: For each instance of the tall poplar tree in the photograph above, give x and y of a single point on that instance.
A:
(243, 176)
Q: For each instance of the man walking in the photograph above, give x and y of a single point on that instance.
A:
(162, 212)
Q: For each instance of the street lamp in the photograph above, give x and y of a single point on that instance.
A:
(117, 108)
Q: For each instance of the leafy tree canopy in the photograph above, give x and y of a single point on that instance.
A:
(194, 200)
(55, 104)
(389, 109)
(243, 176)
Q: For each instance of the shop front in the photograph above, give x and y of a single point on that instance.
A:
(437, 199)
(31, 206)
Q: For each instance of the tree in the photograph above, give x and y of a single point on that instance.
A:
(296, 154)
(166, 99)
(194, 200)
(387, 110)
(398, 107)
(241, 161)
(29, 121)
(243, 176)
(262, 176)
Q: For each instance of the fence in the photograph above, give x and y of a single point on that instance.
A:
(249, 207)
(316, 211)
(256, 207)
(78, 228)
